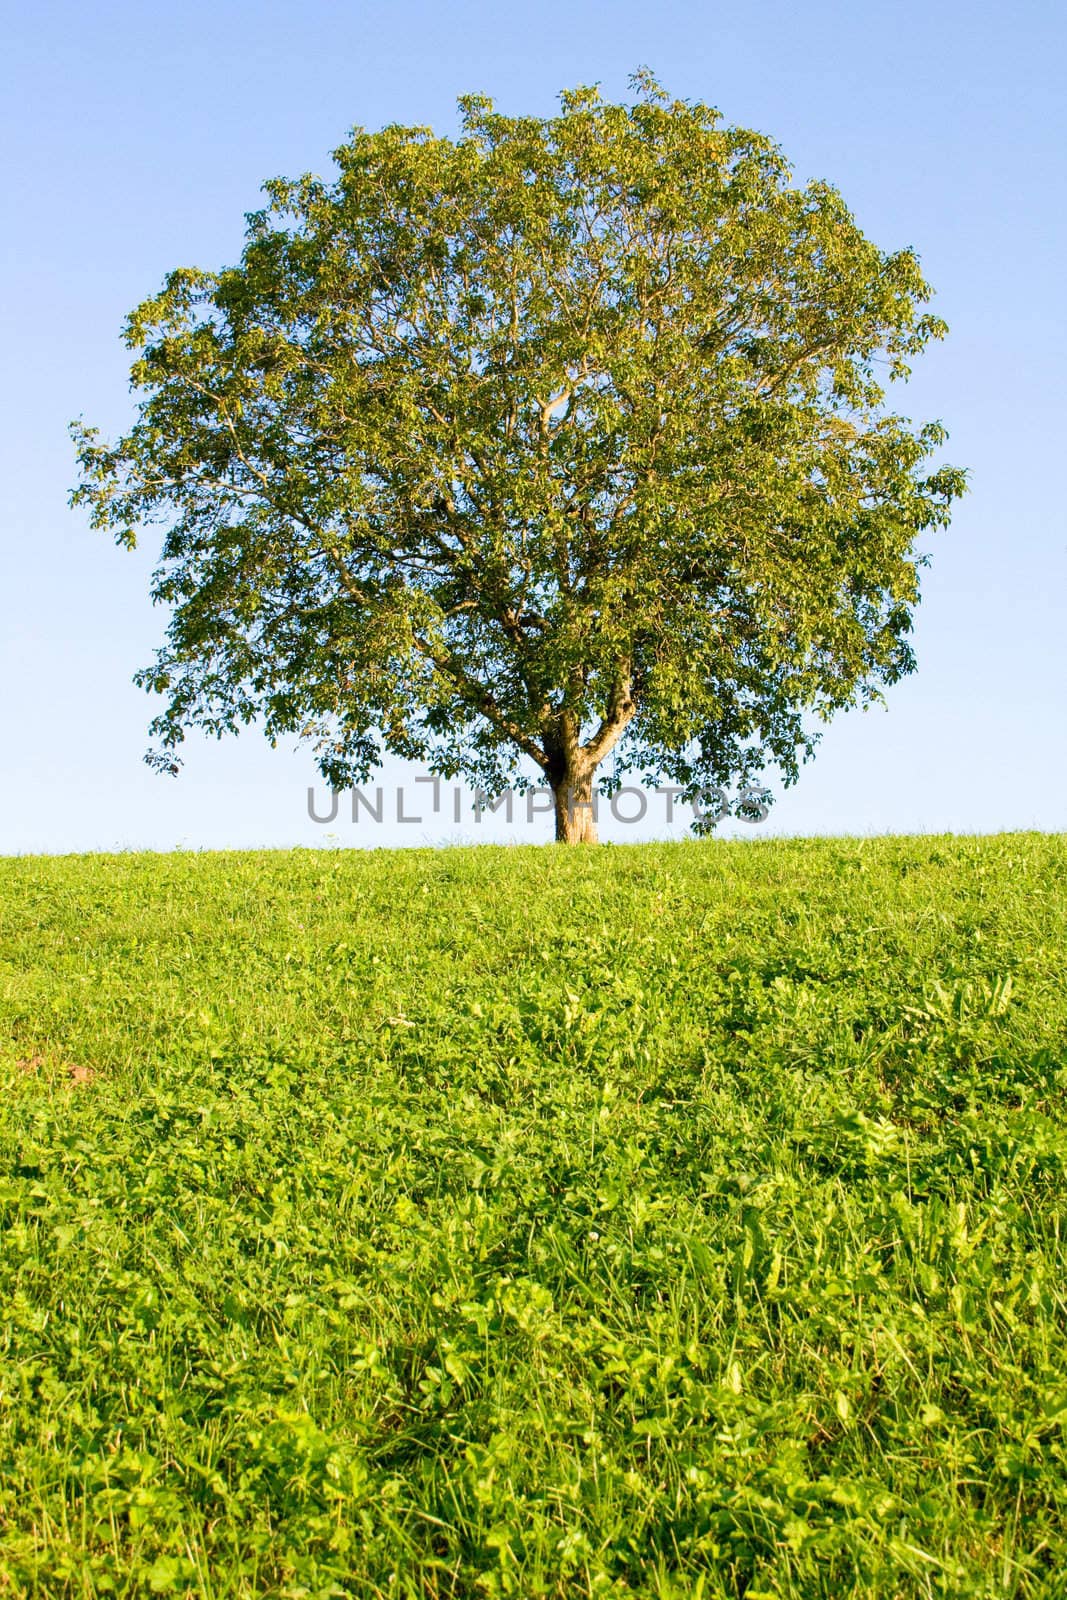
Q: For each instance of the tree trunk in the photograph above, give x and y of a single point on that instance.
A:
(575, 814)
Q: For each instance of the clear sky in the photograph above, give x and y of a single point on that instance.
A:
(135, 137)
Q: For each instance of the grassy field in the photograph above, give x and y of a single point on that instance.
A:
(676, 1220)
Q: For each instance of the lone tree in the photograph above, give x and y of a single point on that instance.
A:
(563, 438)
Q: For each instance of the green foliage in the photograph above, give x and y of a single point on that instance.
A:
(680, 1220)
(564, 433)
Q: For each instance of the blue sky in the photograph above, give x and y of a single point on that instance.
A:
(135, 137)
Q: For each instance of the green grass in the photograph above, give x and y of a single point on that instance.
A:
(674, 1220)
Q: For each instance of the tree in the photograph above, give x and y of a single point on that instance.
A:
(562, 438)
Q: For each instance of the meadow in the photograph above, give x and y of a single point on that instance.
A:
(681, 1220)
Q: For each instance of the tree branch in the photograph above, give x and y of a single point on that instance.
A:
(477, 695)
(620, 711)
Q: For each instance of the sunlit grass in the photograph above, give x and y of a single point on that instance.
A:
(669, 1220)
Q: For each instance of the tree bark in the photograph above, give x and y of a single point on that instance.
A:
(575, 813)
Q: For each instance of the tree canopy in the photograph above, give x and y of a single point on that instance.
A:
(564, 437)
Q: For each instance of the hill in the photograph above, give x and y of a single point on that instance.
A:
(667, 1220)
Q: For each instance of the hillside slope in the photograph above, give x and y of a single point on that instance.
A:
(668, 1220)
